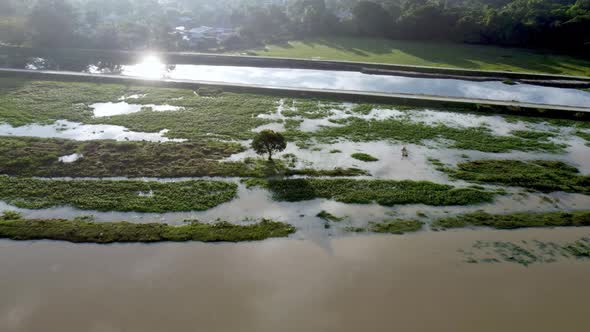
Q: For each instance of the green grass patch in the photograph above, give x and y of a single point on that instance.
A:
(541, 175)
(225, 115)
(110, 232)
(364, 157)
(515, 220)
(585, 136)
(397, 226)
(383, 192)
(404, 130)
(428, 53)
(105, 195)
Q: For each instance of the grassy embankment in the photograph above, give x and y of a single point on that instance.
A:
(97, 232)
(423, 53)
(541, 175)
(383, 192)
(104, 195)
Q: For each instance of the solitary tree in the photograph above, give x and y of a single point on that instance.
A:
(268, 141)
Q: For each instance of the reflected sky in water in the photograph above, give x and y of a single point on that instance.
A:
(153, 68)
(355, 81)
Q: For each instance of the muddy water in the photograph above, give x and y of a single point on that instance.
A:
(391, 283)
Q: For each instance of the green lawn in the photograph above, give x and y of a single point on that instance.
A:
(430, 54)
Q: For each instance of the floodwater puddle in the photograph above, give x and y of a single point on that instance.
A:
(70, 158)
(110, 109)
(83, 132)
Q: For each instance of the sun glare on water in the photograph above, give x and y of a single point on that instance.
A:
(150, 67)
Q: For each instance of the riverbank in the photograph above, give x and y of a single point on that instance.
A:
(429, 54)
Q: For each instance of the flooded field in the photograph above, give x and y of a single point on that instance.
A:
(417, 282)
(322, 141)
(106, 163)
(152, 67)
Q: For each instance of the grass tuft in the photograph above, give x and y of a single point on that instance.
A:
(364, 157)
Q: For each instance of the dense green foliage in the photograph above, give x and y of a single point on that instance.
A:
(269, 142)
(515, 220)
(141, 24)
(109, 232)
(404, 130)
(383, 192)
(106, 195)
(364, 157)
(542, 175)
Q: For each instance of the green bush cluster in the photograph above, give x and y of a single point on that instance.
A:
(106, 195)
(384, 192)
(108, 232)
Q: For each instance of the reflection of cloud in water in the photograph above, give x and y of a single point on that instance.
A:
(82, 132)
(306, 78)
(110, 109)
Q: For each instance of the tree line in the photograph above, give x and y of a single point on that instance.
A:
(135, 24)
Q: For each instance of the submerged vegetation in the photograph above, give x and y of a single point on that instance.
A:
(515, 220)
(24, 156)
(542, 175)
(585, 136)
(404, 130)
(396, 226)
(78, 231)
(200, 116)
(327, 216)
(383, 192)
(526, 253)
(364, 157)
(106, 195)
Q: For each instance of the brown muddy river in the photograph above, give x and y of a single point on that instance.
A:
(416, 282)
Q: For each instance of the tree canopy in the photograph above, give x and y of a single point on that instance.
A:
(138, 24)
